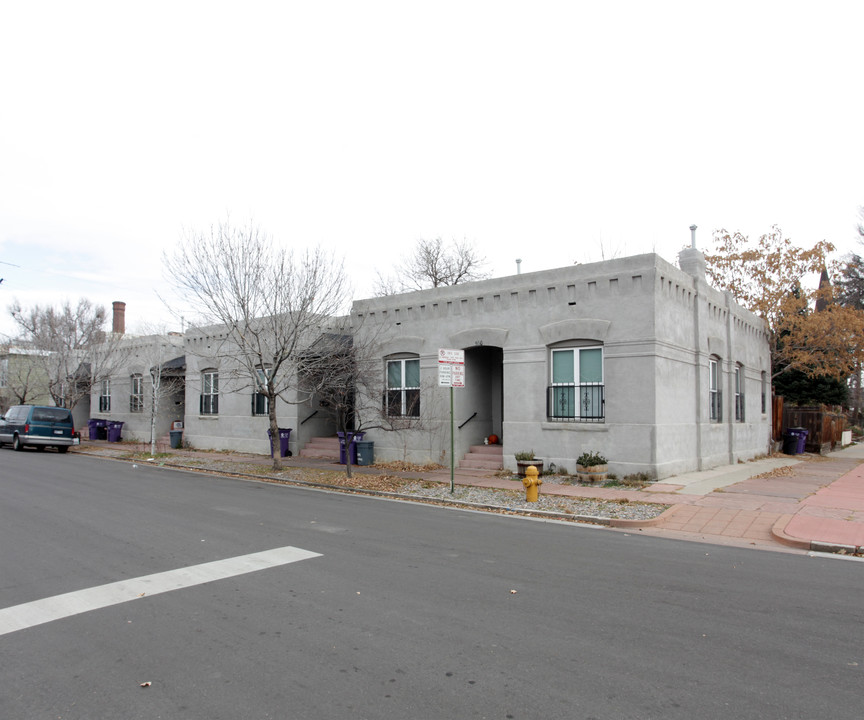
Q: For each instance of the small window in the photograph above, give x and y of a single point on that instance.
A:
(577, 391)
(739, 393)
(715, 395)
(105, 396)
(210, 392)
(764, 392)
(136, 394)
(403, 388)
(260, 402)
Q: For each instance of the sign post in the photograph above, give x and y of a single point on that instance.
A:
(451, 373)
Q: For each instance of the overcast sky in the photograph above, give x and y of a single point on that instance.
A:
(553, 132)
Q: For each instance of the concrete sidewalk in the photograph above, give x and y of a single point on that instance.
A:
(809, 502)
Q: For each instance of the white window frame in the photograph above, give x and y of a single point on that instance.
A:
(408, 404)
(105, 396)
(564, 404)
(715, 394)
(209, 402)
(136, 393)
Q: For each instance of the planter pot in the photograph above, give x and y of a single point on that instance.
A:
(523, 465)
(592, 473)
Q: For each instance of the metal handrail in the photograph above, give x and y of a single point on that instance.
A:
(309, 417)
(467, 421)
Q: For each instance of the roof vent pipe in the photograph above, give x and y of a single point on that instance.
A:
(518, 266)
(693, 236)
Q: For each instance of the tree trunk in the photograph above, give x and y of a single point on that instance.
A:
(275, 444)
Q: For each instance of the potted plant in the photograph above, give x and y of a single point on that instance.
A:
(525, 459)
(591, 466)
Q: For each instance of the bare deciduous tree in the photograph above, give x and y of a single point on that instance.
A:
(270, 303)
(432, 264)
(153, 353)
(342, 371)
(70, 346)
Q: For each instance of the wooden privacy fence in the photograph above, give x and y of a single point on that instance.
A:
(824, 425)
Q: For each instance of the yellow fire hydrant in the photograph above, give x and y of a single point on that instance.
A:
(532, 483)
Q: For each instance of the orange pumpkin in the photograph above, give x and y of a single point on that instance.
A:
(493, 439)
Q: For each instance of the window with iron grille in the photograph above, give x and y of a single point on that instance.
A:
(403, 388)
(136, 394)
(577, 390)
(210, 392)
(715, 395)
(105, 396)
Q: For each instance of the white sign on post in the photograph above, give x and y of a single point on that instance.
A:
(451, 368)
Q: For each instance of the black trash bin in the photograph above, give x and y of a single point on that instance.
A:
(176, 439)
(365, 452)
(794, 440)
(284, 435)
(354, 437)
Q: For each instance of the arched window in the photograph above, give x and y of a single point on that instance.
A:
(577, 389)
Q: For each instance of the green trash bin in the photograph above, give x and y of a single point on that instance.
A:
(176, 438)
(365, 452)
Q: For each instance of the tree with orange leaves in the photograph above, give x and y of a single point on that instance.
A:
(767, 276)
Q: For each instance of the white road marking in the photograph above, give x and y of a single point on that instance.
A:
(19, 617)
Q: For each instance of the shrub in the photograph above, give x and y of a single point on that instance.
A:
(590, 459)
(524, 455)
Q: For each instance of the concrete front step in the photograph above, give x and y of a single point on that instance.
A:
(483, 457)
(321, 447)
(487, 450)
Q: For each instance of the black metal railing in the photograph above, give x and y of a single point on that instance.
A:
(467, 421)
(576, 403)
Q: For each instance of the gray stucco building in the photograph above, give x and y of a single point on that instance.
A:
(633, 358)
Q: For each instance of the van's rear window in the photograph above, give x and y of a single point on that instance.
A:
(50, 415)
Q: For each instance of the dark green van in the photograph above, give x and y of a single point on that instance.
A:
(37, 425)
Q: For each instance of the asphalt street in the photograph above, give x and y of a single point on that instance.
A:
(395, 610)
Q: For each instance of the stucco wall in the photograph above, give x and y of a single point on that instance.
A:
(658, 327)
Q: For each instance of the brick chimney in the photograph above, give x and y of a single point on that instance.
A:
(119, 327)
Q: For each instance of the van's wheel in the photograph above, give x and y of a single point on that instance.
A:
(16, 443)
(62, 448)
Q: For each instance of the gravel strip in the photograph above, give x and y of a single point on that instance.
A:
(515, 499)
(429, 490)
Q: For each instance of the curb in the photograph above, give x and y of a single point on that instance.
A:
(778, 531)
(502, 509)
(661, 518)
